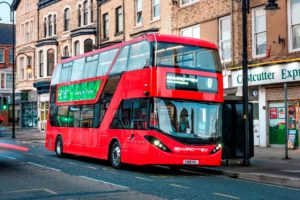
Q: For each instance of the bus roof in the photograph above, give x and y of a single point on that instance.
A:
(151, 37)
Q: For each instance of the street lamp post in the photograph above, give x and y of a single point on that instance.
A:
(12, 19)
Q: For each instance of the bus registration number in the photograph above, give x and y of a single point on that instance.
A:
(191, 162)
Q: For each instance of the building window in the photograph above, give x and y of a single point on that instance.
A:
(193, 31)
(92, 11)
(85, 13)
(29, 63)
(79, 15)
(138, 12)
(11, 56)
(66, 51)
(67, 19)
(259, 40)
(119, 19)
(2, 81)
(27, 33)
(45, 27)
(8, 81)
(50, 62)
(41, 63)
(187, 2)
(22, 72)
(105, 26)
(155, 9)
(1, 55)
(88, 45)
(225, 38)
(54, 24)
(77, 48)
(50, 25)
(294, 25)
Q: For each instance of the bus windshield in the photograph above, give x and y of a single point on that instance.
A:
(187, 57)
(188, 121)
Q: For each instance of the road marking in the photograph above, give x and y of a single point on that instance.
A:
(72, 163)
(90, 167)
(42, 166)
(12, 158)
(292, 171)
(30, 154)
(108, 183)
(34, 190)
(145, 179)
(179, 186)
(40, 156)
(225, 195)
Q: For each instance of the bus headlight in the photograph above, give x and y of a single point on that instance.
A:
(156, 142)
(217, 148)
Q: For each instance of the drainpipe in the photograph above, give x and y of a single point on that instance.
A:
(97, 26)
(123, 2)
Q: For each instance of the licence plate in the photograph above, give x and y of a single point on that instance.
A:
(191, 162)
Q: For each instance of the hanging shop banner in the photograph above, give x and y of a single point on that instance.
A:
(280, 73)
(78, 92)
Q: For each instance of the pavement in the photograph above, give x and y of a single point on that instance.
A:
(267, 166)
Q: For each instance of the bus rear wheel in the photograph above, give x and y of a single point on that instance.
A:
(115, 155)
(59, 147)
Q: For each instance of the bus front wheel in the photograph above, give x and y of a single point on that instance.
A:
(115, 155)
(59, 147)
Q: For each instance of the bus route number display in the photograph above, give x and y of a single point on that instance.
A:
(78, 92)
(192, 83)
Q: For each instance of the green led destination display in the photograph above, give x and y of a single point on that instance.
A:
(78, 92)
(192, 83)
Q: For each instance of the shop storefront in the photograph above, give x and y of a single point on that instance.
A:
(27, 109)
(269, 81)
(43, 88)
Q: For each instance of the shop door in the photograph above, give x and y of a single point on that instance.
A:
(29, 115)
(277, 132)
(44, 106)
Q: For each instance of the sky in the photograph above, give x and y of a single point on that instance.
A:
(5, 12)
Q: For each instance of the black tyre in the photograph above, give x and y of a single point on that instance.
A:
(59, 147)
(115, 155)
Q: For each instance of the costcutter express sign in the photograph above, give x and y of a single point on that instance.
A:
(267, 75)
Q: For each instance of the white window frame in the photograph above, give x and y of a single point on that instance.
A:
(191, 28)
(154, 4)
(137, 11)
(254, 45)
(290, 37)
(191, 2)
(221, 41)
(3, 55)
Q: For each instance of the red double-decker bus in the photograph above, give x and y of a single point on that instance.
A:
(153, 100)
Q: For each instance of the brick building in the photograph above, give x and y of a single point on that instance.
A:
(6, 59)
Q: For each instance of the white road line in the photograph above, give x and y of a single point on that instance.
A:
(108, 183)
(90, 167)
(38, 165)
(40, 156)
(179, 186)
(292, 171)
(72, 163)
(12, 158)
(34, 190)
(225, 195)
(142, 178)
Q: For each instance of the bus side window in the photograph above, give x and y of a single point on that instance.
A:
(97, 115)
(139, 55)
(62, 116)
(140, 113)
(122, 118)
(90, 67)
(86, 116)
(121, 62)
(66, 72)
(105, 60)
(77, 69)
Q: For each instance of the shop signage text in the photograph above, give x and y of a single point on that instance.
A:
(268, 75)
